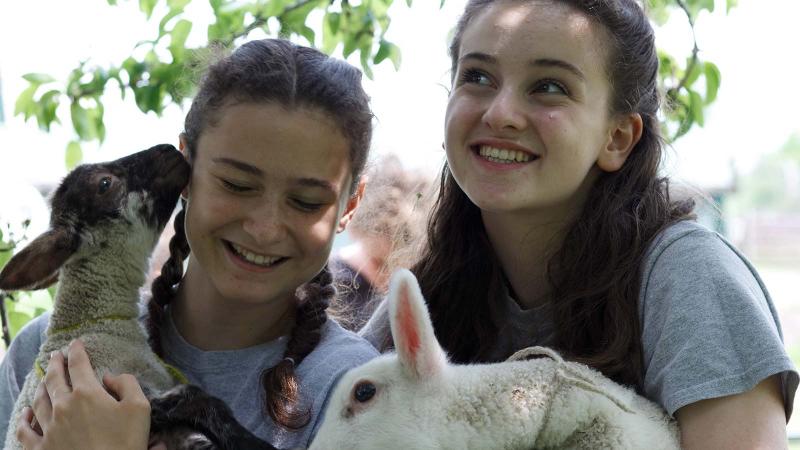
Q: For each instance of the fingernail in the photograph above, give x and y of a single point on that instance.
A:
(53, 354)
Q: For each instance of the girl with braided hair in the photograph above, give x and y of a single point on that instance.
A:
(277, 137)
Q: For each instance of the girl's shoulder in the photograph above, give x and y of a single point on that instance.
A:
(339, 347)
(687, 252)
(709, 327)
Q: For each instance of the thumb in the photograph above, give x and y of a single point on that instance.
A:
(123, 387)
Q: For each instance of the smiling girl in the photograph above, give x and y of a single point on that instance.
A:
(277, 137)
(553, 226)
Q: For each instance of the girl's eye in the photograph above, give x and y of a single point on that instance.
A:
(549, 87)
(307, 206)
(474, 76)
(233, 187)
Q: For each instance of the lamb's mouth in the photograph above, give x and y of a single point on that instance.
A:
(502, 155)
(254, 258)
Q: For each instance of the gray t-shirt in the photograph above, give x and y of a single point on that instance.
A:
(709, 328)
(230, 375)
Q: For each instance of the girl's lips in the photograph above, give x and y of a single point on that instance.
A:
(502, 144)
(243, 263)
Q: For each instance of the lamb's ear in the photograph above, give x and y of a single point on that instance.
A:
(37, 265)
(417, 348)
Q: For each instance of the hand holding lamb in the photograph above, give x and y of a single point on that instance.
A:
(415, 399)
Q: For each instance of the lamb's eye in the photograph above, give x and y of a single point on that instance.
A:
(105, 183)
(364, 391)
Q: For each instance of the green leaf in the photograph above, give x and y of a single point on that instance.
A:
(307, 33)
(80, 121)
(713, 78)
(38, 78)
(73, 155)
(25, 104)
(162, 25)
(147, 6)
(365, 66)
(388, 50)
(177, 4)
(697, 69)
(696, 107)
(112, 2)
(48, 103)
(408, 2)
(179, 34)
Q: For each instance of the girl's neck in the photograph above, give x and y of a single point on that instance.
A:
(209, 322)
(524, 244)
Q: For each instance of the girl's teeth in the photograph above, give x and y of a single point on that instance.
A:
(503, 155)
(254, 258)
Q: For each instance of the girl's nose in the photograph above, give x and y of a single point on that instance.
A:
(505, 112)
(265, 224)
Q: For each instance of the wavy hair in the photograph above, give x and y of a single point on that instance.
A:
(595, 275)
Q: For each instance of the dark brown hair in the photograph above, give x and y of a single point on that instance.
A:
(274, 71)
(595, 275)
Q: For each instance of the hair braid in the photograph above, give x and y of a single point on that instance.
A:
(163, 288)
(281, 386)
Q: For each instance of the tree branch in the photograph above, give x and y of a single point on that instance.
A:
(693, 60)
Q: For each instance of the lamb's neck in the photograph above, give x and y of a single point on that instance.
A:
(100, 286)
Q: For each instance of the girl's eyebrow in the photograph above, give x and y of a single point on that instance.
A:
(548, 62)
(540, 62)
(236, 164)
(317, 183)
(251, 169)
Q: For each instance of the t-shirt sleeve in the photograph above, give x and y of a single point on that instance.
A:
(16, 365)
(709, 328)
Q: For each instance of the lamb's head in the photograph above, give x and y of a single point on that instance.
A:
(122, 204)
(402, 388)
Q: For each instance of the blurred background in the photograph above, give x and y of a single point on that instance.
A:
(735, 119)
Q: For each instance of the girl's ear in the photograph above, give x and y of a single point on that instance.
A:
(417, 348)
(623, 136)
(184, 148)
(352, 204)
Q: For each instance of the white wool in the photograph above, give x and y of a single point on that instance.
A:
(535, 400)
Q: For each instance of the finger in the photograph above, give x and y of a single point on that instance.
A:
(26, 435)
(80, 368)
(42, 406)
(55, 379)
(124, 387)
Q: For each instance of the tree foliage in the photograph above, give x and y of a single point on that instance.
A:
(159, 78)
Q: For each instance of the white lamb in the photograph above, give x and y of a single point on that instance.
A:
(105, 221)
(415, 399)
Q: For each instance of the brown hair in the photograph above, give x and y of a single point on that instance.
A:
(274, 71)
(595, 275)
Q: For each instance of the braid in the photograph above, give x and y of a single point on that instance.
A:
(281, 386)
(163, 288)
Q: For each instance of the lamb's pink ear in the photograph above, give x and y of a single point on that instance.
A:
(417, 348)
(37, 265)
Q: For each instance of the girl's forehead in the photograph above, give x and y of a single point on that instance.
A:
(277, 141)
(536, 29)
